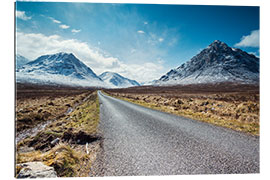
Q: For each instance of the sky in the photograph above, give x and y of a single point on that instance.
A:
(138, 41)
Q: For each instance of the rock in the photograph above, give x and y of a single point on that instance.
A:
(36, 170)
(190, 100)
(56, 141)
(25, 149)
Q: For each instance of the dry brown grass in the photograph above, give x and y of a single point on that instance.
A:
(235, 110)
(30, 112)
(66, 161)
(68, 157)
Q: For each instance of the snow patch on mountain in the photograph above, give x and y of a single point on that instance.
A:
(57, 79)
(115, 80)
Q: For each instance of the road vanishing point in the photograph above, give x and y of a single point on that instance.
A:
(141, 141)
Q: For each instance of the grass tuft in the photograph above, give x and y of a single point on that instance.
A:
(69, 158)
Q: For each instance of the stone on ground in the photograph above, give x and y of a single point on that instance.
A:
(36, 170)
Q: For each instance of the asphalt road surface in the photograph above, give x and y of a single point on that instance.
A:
(141, 141)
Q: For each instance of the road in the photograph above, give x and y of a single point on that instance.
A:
(141, 141)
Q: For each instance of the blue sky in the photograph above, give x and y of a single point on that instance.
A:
(139, 41)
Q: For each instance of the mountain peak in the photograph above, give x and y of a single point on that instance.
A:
(62, 64)
(216, 63)
(217, 47)
(62, 54)
(218, 44)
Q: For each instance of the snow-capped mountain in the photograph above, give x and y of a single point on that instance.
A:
(60, 68)
(116, 80)
(216, 63)
(20, 61)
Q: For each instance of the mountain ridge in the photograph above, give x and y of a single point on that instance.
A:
(64, 68)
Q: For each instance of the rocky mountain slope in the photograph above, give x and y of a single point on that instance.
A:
(60, 68)
(216, 63)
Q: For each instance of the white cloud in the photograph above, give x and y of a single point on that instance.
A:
(252, 40)
(22, 15)
(160, 39)
(55, 21)
(33, 45)
(145, 22)
(63, 26)
(75, 30)
(140, 32)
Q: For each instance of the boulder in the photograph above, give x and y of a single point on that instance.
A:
(36, 170)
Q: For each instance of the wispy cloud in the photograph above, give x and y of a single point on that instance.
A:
(251, 40)
(145, 22)
(63, 26)
(54, 20)
(75, 30)
(140, 32)
(154, 39)
(22, 15)
(257, 54)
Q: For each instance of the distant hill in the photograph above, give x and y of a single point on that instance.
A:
(20, 61)
(118, 81)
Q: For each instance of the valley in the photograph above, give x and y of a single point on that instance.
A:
(79, 123)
